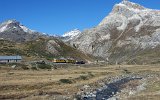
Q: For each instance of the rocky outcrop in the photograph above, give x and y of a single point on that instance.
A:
(52, 47)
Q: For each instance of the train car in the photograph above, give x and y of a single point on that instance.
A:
(80, 62)
(59, 61)
(71, 61)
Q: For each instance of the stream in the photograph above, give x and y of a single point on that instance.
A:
(109, 90)
(112, 88)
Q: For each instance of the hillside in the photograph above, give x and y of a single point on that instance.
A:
(42, 48)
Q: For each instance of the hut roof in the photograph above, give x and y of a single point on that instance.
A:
(10, 57)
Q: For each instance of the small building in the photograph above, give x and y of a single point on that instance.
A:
(10, 59)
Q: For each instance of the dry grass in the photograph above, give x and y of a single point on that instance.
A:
(26, 83)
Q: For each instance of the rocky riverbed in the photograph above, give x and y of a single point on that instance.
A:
(116, 88)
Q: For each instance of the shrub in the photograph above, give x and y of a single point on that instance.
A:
(90, 74)
(83, 77)
(126, 71)
(34, 68)
(83, 72)
(25, 67)
(66, 81)
(18, 66)
(44, 66)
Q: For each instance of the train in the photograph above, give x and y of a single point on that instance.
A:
(59, 61)
(72, 61)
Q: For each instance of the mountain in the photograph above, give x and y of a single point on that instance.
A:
(14, 31)
(13, 24)
(16, 39)
(129, 34)
(71, 35)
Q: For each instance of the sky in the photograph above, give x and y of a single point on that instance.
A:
(60, 16)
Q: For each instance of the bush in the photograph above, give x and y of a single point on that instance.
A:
(126, 71)
(83, 77)
(66, 81)
(90, 74)
(25, 67)
(44, 66)
(34, 68)
(3, 64)
(18, 66)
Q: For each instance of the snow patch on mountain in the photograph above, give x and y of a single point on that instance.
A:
(106, 37)
(8, 22)
(25, 29)
(4, 28)
(72, 34)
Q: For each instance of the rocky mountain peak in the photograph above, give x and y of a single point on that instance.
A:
(127, 11)
(125, 7)
(13, 30)
(131, 5)
(10, 22)
(14, 25)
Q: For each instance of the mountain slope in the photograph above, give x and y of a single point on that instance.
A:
(12, 30)
(129, 30)
(42, 48)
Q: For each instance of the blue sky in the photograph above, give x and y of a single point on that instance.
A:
(59, 16)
